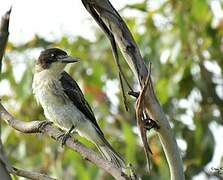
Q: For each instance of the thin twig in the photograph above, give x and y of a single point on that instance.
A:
(123, 92)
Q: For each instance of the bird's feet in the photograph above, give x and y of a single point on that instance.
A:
(150, 124)
(42, 124)
(63, 137)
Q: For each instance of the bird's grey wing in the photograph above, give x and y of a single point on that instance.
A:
(73, 91)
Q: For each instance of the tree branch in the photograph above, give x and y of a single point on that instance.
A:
(116, 25)
(30, 175)
(4, 33)
(33, 127)
(19, 172)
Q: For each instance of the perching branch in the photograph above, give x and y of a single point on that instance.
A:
(106, 12)
(90, 155)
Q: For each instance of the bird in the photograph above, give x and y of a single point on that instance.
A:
(64, 103)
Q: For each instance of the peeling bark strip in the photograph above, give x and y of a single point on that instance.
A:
(105, 12)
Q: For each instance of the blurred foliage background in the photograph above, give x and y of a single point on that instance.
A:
(183, 40)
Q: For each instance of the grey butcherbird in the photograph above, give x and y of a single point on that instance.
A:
(64, 103)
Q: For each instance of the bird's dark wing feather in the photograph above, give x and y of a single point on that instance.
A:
(73, 91)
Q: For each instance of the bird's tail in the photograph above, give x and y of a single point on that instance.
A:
(110, 154)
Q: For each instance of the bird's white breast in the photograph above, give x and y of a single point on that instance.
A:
(57, 106)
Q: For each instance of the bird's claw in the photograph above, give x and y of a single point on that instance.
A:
(42, 124)
(63, 137)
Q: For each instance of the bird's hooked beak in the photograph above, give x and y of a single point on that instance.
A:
(67, 59)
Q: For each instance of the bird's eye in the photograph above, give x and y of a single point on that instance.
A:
(52, 55)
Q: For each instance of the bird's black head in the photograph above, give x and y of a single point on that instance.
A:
(52, 56)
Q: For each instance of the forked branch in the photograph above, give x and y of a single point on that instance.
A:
(119, 30)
